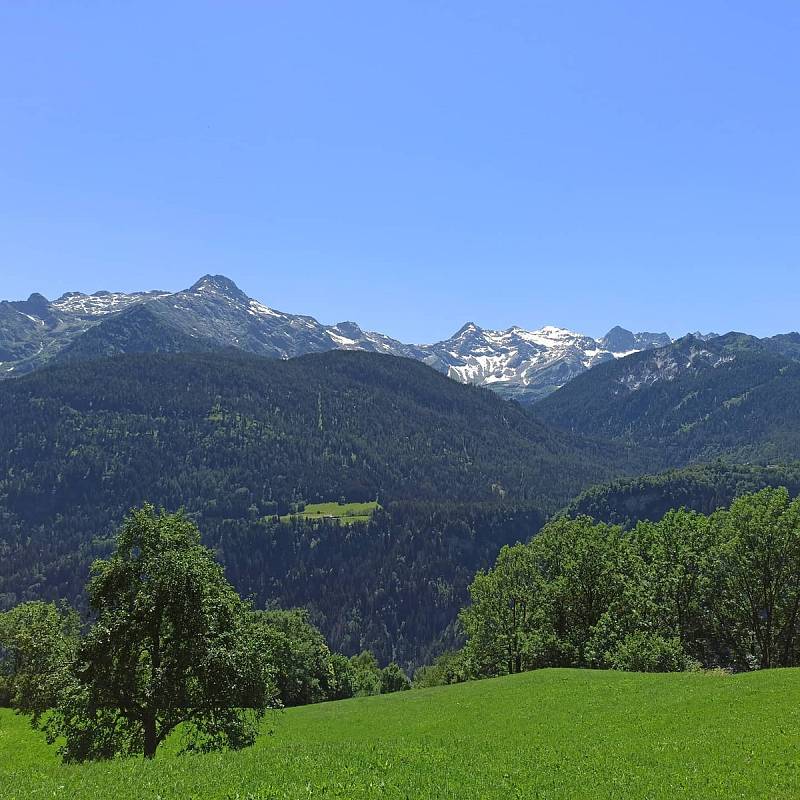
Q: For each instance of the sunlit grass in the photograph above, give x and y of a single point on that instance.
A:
(555, 734)
(344, 512)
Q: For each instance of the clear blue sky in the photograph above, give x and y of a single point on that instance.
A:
(411, 165)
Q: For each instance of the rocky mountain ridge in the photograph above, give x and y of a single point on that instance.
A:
(735, 397)
(215, 314)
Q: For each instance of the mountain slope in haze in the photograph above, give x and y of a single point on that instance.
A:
(734, 396)
(215, 314)
(140, 329)
(704, 488)
(238, 439)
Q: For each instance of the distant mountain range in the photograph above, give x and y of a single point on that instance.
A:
(240, 441)
(214, 314)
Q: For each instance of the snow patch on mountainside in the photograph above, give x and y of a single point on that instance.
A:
(101, 303)
(528, 364)
(666, 365)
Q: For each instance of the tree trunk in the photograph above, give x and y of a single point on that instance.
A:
(150, 732)
(150, 736)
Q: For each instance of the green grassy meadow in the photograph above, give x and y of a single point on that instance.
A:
(344, 512)
(548, 734)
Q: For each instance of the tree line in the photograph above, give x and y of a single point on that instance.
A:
(700, 487)
(169, 644)
(689, 591)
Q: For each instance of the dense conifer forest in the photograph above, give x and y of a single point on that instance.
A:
(703, 488)
(239, 440)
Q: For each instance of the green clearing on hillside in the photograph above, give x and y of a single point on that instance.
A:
(344, 512)
(555, 734)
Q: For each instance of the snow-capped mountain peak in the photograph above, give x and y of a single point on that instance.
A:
(215, 312)
(217, 285)
(527, 364)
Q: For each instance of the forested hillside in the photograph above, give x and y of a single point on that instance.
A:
(239, 440)
(733, 396)
(703, 488)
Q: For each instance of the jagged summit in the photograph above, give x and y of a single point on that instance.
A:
(218, 284)
(36, 304)
(619, 339)
(528, 364)
(349, 328)
(467, 327)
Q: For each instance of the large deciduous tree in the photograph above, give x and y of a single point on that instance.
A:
(505, 614)
(659, 618)
(172, 644)
(759, 607)
(299, 655)
(581, 567)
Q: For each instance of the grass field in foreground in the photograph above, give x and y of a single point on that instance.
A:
(549, 734)
(344, 512)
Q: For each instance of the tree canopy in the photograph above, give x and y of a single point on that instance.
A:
(172, 644)
(719, 591)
